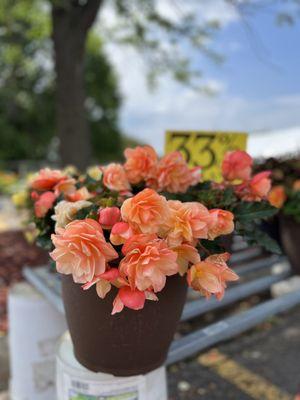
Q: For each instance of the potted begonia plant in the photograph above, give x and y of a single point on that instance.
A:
(128, 239)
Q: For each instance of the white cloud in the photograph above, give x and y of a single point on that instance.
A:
(146, 115)
(206, 10)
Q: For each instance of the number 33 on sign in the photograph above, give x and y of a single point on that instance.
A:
(205, 149)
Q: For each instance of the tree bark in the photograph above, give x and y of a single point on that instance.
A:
(71, 23)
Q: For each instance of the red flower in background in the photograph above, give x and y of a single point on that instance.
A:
(43, 203)
(237, 165)
(47, 178)
(277, 196)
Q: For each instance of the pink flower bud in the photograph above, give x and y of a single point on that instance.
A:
(44, 203)
(237, 165)
(109, 216)
(134, 299)
(34, 195)
(120, 232)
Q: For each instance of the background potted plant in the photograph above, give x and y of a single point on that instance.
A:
(128, 238)
(284, 172)
(287, 199)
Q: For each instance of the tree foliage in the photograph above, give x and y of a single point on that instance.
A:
(27, 95)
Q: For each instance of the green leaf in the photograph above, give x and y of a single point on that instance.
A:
(44, 241)
(292, 206)
(249, 211)
(253, 234)
(210, 247)
(84, 212)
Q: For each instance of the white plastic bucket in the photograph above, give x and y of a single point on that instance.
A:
(35, 328)
(75, 382)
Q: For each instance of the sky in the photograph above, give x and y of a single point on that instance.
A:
(258, 85)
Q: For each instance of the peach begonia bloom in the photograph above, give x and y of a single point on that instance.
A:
(79, 194)
(65, 211)
(146, 212)
(186, 254)
(121, 232)
(46, 179)
(140, 163)
(221, 223)
(296, 185)
(81, 250)
(210, 276)
(147, 262)
(65, 187)
(103, 282)
(258, 187)
(109, 216)
(115, 178)
(44, 203)
(237, 165)
(188, 221)
(277, 196)
(173, 174)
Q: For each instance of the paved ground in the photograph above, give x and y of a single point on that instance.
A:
(262, 365)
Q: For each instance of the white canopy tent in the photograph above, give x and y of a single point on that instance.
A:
(274, 143)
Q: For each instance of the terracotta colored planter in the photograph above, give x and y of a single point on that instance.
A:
(128, 343)
(290, 236)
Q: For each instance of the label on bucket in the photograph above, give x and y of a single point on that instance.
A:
(116, 389)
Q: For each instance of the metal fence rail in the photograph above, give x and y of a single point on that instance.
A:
(229, 327)
(258, 265)
(239, 292)
(47, 283)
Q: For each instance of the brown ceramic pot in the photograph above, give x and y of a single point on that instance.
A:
(124, 344)
(290, 237)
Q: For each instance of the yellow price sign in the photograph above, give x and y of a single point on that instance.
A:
(205, 149)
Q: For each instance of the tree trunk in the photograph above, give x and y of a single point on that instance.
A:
(71, 23)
